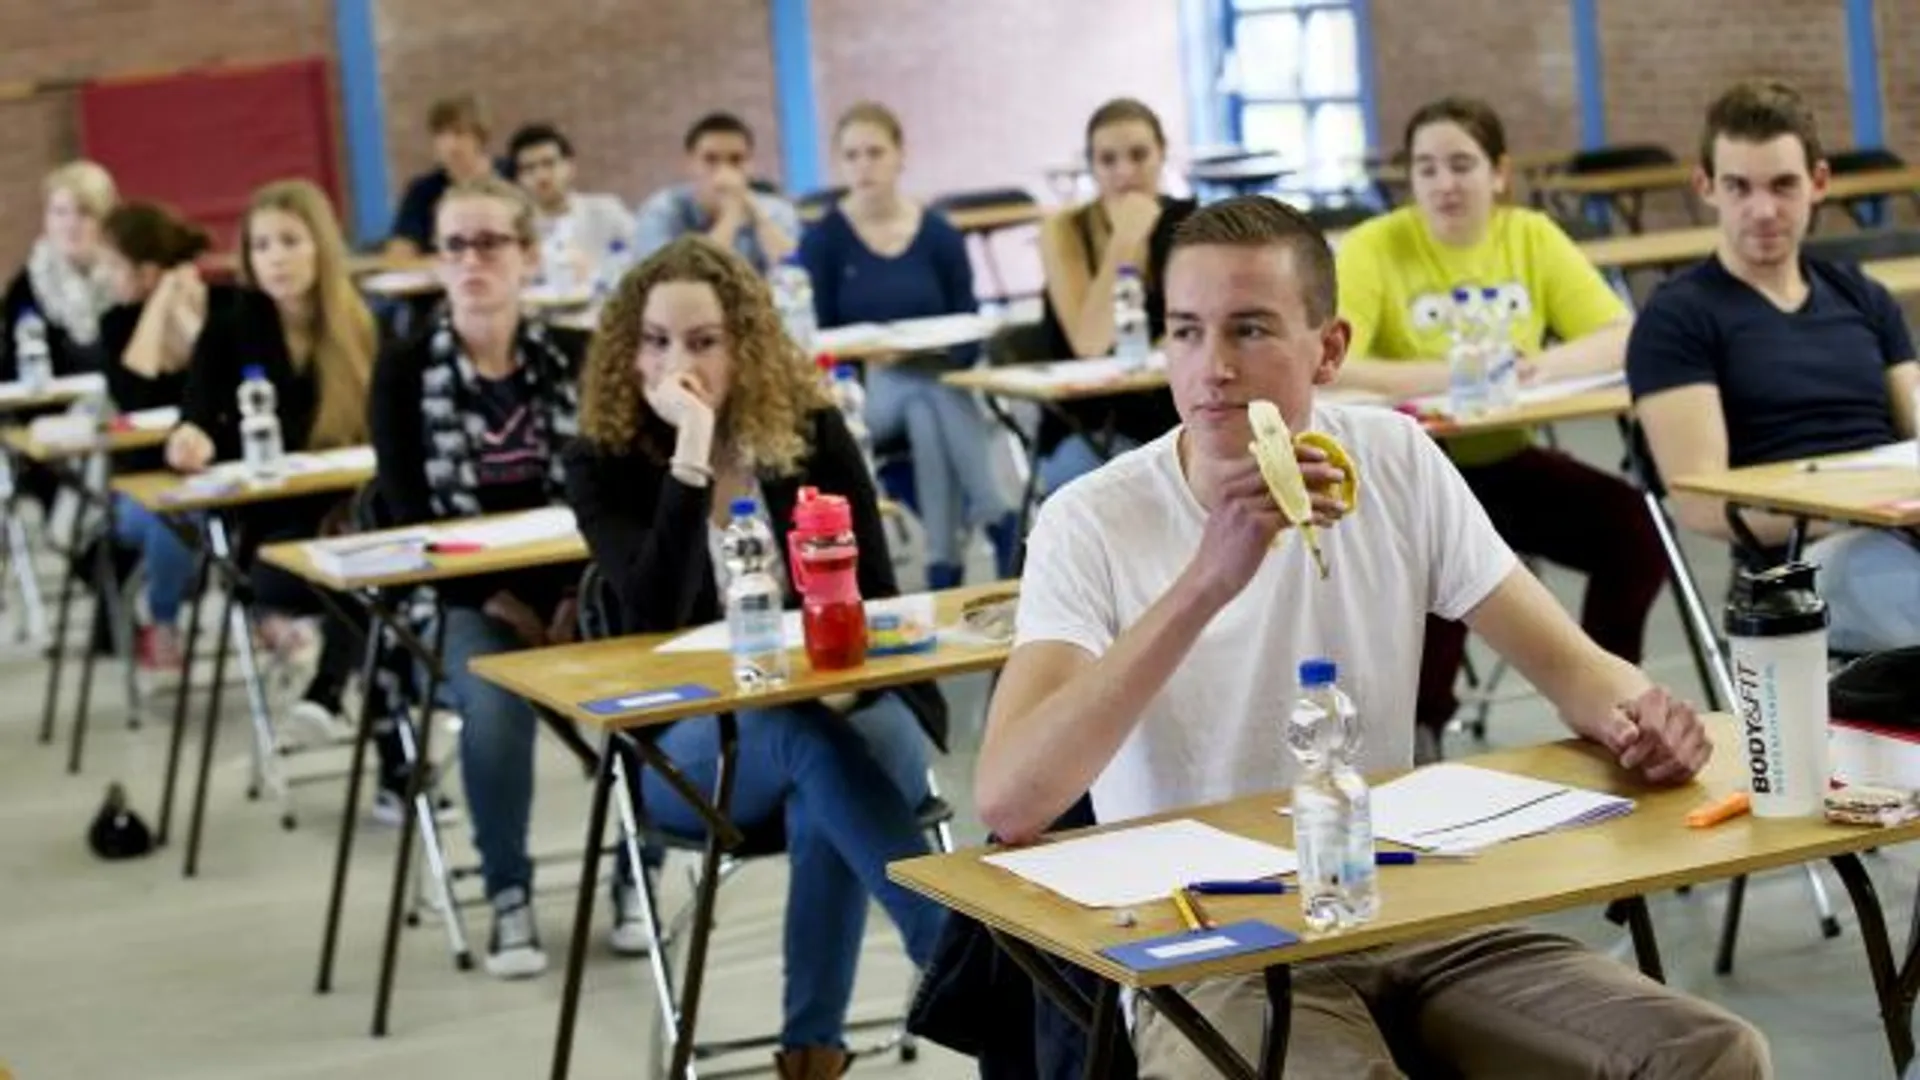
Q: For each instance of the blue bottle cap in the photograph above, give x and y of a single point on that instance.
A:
(743, 507)
(1319, 671)
(844, 373)
(253, 371)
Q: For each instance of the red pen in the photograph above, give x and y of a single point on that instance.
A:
(455, 547)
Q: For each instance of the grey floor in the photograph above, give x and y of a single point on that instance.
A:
(125, 970)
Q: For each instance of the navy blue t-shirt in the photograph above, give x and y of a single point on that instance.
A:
(854, 284)
(1793, 384)
(414, 218)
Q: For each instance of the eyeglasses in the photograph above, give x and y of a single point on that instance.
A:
(487, 245)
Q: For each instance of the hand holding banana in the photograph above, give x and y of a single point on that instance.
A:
(1274, 448)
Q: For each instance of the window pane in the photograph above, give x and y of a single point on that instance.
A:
(1332, 56)
(1277, 129)
(1338, 137)
(1267, 53)
(1267, 5)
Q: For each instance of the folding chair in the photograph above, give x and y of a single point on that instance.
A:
(972, 200)
(599, 618)
(1626, 205)
(1867, 211)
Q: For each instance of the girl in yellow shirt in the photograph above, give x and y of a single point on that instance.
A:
(1397, 274)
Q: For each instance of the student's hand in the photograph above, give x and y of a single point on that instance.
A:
(1659, 737)
(1134, 216)
(1245, 519)
(732, 203)
(681, 399)
(510, 609)
(189, 450)
(564, 627)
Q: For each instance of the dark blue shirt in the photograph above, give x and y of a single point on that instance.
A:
(414, 220)
(854, 284)
(1793, 384)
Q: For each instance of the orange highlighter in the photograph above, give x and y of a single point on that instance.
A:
(1723, 810)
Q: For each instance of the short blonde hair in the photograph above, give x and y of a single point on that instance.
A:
(90, 184)
(494, 187)
(461, 114)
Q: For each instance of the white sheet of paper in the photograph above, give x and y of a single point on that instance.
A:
(346, 458)
(79, 385)
(841, 338)
(1537, 393)
(713, 637)
(1073, 372)
(1464, 806)
(1900, 455)
(939, 331)
(532, 527)
(1138, 866)
(388, 282)
(160, 419)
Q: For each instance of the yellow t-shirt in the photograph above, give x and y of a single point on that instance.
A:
(1396, 285)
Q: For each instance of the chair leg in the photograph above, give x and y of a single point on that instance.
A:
(1829, 923)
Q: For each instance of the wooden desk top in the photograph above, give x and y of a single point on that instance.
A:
(563, 677)
(1650, 850)
(21, 441)
(1619, 181)
(293, 557)
(1876, 182)
(1901, 276)
(1662, 248)
(1006, 381)
(1887, 497)
(1525, 162)
(986, 219)
(1591, 404)
(1245, 170)
(168, 493)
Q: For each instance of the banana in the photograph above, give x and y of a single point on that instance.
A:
(1273, 449)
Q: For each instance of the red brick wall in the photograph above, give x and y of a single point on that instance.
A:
(1896, 33)
(993, 92)
(60, 40)
(1517, 54)
(623, 79)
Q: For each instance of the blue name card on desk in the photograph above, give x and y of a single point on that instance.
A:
(649, 699)
(1194, 946)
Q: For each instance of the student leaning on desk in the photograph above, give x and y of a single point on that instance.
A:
(1760, 354)
(694, 397)
(1159, 627)
(1398, 273)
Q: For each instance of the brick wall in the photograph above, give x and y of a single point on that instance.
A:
(1896, 33)
(623, 79)
(993, 92)
(1517, 54)
(57, 40)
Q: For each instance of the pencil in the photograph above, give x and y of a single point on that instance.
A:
(1199, 909)
(1184, 905)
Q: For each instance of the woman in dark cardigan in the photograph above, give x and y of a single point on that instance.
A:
(693, 397)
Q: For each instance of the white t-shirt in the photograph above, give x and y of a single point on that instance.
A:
(1109, 545)
(589, 225)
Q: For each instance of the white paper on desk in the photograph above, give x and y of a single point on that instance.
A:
(938, 332)
(1138, 866)
(345, 459)
(713, 637)
(85, 385)
(1900, 455)
(395, 282)
(1074, 372)
(531, 527)
(161, 419)
(1450, 806)
(1538, 393)
(850, 336)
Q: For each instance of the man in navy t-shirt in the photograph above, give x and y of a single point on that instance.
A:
(1761, 354)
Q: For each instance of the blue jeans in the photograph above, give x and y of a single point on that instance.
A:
(1075, 456)
(847, 790)
(169, 562)
(497, 729)
(1871, 581)
(948, 437)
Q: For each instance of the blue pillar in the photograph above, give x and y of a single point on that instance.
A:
(363, 114)
(793, 94)
(1363, 52)
(1586, 73)
(1863, 76)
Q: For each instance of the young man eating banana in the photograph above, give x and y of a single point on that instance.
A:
(1163, 613)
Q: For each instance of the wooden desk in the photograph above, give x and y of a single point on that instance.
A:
(21, 441)
(1901, 276)
(62, 392)
(987, 219)
(1668, 247)
(1529, 164)
(170, 493)
(293, 557)
(1592, 404)
(1886, 498)
(1647, 851)
(561, 679)
(1641, 178)
(1877, 182)
(1007, 381)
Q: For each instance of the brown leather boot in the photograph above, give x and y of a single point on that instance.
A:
(812, 1063)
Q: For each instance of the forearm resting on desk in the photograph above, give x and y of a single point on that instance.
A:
(1397, 379)
(1598, 353)
(1059, 716)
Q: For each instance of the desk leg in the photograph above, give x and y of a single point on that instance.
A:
(198, 818)
(350, 814)
(59, 644)
(409, 823)
(709, 894)
(103, 589)
(1103, 1032)
(1646, 947)
(202, 572)
(1730, 926)
(1896, 987)
(33, 609)
(1273, 1047)
(603, 781)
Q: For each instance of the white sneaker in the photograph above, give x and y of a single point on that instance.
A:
(389, 808)
(513, 950)
(321, 723)
(628, 936)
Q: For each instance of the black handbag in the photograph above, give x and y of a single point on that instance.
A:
(1880, 688)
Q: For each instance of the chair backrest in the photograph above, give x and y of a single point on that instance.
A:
(1623, 156)
(1018, 343)
(1863, 246)
(1344, 216)
(969, 200)
(599, 607)
(1581, 228)
(816, 203)
(1868, 159)
(368, 511)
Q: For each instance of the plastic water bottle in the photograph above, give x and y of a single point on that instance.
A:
(754, 634)
(612, 268)
(1503, 359)
(1332, 806)
(1132, 345)
(33, 359)
(261, 447)
(793, 299)
(851, 399)
(1466, 358)
(557, 269)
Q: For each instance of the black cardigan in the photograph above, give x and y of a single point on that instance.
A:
(243, 330)
(69, 358)
(400, 446)
(648, 534)
(132, 392)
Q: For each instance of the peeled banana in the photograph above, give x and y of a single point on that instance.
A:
(1273, 449)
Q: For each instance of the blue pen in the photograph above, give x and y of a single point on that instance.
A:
(1238, 888)
(1394, 858)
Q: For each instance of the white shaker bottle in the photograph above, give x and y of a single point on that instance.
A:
(1777, 627)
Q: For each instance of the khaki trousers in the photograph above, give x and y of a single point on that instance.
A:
(1505, 1002)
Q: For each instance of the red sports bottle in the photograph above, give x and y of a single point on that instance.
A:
(825, 560)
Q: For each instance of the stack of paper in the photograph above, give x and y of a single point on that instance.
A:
(351, 557)
(1138, 866)
(1461, 807)
(161, 419)
(511, 530)
(1900, 455)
